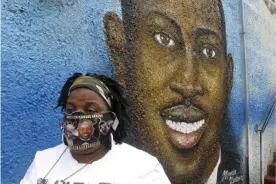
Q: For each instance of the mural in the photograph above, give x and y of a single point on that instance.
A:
(172, 58)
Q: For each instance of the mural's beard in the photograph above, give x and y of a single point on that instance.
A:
(149, 132)
(195, 159)
(196, 180)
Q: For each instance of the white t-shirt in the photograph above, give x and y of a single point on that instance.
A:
(123, 164)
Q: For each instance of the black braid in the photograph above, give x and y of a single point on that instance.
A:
(62, 100)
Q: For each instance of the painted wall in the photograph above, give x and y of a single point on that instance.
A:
(260, 31)
(44, 42)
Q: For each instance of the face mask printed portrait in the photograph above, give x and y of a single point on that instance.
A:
(104, 127)
(85, 130)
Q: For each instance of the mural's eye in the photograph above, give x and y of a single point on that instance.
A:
(209, 52)
(164, 39)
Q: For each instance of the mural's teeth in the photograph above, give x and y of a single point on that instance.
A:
(178, 126)
(195, 127)
(184, 127)
(169, 123)
(189, 128)
(198, 124)
(173, 125)
(201, 122)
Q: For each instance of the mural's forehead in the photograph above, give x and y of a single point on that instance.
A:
(211, 7)
(196, 13)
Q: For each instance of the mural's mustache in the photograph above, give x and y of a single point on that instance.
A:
(183, 113)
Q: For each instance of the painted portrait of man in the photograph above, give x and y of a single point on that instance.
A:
(171, 55)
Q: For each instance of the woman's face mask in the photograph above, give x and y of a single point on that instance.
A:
(83, 131)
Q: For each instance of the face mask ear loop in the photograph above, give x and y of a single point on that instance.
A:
(64, 140)
(115, 124)
(63, 137)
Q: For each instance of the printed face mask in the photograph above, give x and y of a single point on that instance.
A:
(83, 131)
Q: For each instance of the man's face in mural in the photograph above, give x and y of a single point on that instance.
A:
(178, 79)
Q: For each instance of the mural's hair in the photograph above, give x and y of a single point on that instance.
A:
(118, 101)
(223, 27)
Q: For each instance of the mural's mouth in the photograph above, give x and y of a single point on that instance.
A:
(187, 124)
(185, 128)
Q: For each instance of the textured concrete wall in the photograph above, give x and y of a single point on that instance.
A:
(260, 38)
(44, 42)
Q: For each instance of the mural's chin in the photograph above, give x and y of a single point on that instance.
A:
(188, 168)
(192, 152)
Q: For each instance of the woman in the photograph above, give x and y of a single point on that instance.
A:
(93, 130)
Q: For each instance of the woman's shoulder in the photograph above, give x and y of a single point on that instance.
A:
(138, 165)
(130, 153)
(50, 153)
(54, 149)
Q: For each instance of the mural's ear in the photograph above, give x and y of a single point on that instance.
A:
(114, 36)
(230, 71)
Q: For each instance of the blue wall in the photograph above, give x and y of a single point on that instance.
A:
(260, 50)
(232, 15)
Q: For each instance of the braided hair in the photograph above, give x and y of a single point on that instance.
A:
(118, 102)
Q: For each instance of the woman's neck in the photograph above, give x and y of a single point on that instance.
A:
(92, 154)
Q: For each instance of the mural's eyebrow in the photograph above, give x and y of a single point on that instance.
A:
(205, 32)
(165, 17)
